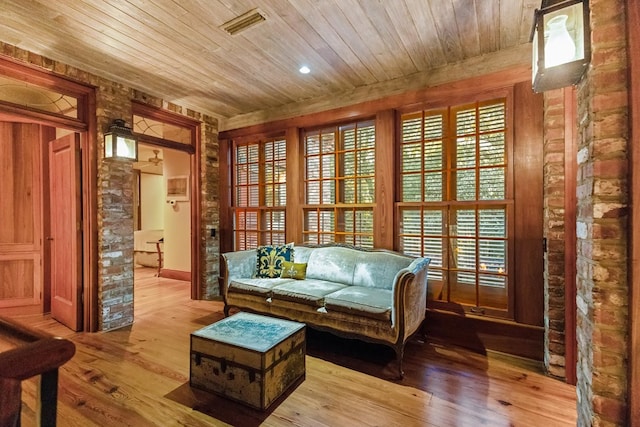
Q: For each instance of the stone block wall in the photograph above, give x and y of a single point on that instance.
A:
(602, 216)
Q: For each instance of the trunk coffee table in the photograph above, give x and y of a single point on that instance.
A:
(249, 358)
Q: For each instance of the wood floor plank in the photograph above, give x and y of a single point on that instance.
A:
(139, 376)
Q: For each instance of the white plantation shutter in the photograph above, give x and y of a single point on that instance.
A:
(340, 184)
(260, 193)
(455, 211)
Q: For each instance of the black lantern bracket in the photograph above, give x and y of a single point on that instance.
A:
(561, 49)
(120, 142)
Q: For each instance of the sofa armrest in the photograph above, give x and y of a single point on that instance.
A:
(238, 264)
(410, 297)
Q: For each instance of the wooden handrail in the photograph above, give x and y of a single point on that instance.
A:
(35, 353)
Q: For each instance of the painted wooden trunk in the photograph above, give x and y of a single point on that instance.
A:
(249, 358)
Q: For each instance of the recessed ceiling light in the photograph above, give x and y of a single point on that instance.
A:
(305, 70)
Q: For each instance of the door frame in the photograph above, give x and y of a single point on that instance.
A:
(86, 126)
(193, 150)
(633, 24)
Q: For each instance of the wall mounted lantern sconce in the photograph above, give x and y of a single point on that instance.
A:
(561, 43)
(120, 142)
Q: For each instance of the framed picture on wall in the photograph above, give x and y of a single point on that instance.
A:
(178, 188)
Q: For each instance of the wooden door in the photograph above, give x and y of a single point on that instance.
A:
(65, 227)
(20, 218)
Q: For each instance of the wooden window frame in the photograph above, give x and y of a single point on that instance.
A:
(441, 290)
(515, 83)
(264, 232)
(339, 209)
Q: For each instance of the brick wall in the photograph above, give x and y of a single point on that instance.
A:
(115, 214)
(554, 232)
(115, 193)
(115, 244)
(210, 245)
(602, 214)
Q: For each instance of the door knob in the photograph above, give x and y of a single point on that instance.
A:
(49, 238)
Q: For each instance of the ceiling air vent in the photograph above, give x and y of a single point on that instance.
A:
(244, 21)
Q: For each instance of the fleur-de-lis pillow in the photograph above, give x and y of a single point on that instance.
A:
(270, 259)
(293, 270)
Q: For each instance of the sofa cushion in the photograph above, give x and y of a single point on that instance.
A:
(360, 300)
(302, 253)
(294, 270)
(260, 287)
(240, 263)
(270, 258)
(378, 269)
(334, 264)
(308, 291)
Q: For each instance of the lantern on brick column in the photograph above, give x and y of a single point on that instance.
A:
(561, 43)
(120, 142)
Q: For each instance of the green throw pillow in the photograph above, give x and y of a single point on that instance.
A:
(270, 260)
(291, 270)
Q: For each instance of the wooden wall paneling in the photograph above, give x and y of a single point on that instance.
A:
(482, 333)
(528, 169)
(633, 11)
(6, 177)
(383, 211)
(21, 213)
(226, 218)
(295, 186)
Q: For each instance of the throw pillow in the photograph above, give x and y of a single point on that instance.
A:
(292, 270)
(270, 260)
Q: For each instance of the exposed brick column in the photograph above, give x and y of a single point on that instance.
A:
(115, 215)
(554, 232)
(115, 242)
(210, 220)
(602, 198)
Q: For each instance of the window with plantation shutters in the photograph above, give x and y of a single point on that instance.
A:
(340, 184)
(454, 207)
(259, 193)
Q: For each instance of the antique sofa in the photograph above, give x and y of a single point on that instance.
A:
(377, 296)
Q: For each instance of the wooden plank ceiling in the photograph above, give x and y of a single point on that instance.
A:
(356, 49)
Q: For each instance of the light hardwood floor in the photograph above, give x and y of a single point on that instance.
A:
(139, 376)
